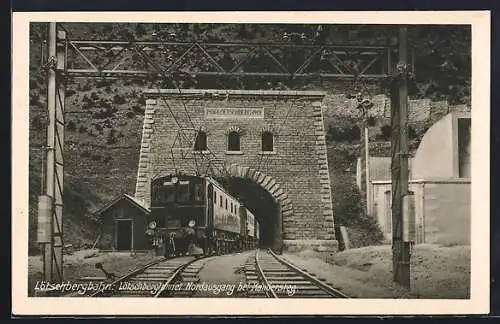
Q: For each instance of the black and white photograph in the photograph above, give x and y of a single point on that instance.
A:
(181, 159)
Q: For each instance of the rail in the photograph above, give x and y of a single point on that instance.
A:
(263, 276)
(165, 284)
(174, 275)
(130, 274)
(328, 289)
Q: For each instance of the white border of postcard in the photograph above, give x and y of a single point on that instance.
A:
(480, 216)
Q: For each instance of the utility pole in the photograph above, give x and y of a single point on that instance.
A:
(367, 164)
(50, 203)
(364, 104)
(399, 165)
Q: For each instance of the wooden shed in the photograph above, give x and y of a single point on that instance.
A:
(124, 221)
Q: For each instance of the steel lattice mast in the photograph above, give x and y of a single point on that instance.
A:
(50, 218)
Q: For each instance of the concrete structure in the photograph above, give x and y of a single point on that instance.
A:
(292, 168)
(124, 223)
(380, 171)
(440, 181)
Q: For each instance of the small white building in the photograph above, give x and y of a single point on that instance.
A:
(439, 179)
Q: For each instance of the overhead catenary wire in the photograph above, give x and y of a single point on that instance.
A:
(224, 170)
(193, 142)
(180, 131)
(160, 70)
(175, 84)
(190, 142)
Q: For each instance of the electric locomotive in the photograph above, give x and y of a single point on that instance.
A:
(195, 215)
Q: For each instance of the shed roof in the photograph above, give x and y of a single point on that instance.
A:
(128, 198)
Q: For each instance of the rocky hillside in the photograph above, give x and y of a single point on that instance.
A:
(104, 117)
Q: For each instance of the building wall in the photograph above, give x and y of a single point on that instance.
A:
(296, 173)
(435, 154)
(447, 212)
(442, 194)
(382, 200)
(124, 210)
(442, 210)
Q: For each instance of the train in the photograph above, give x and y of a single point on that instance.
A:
(193, 215)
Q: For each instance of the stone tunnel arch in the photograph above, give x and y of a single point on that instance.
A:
(275, 190)
(272, 187)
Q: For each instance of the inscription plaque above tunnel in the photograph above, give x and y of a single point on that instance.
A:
(234, 112)
(292, 177)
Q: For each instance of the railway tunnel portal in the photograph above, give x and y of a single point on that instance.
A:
(266, 208)
(268, 147)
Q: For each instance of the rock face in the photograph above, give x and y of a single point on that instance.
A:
(293, 169)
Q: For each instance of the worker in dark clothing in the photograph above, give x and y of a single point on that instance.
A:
(209, 240)
(190, 233)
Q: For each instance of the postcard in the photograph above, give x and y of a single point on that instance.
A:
(207, 163)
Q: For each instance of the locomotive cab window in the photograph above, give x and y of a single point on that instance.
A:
(233, 141)
(198, 192)
(183, 191)
(168, 192)
(267, 142)
(200, 142)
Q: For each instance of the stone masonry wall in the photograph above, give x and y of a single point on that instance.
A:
(296, 173)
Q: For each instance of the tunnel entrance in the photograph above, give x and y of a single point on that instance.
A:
(262, 204)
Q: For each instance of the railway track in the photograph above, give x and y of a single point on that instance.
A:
(267, 275)
(161, 278)
(270, 276)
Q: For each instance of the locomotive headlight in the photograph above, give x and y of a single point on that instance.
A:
(175, 180)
